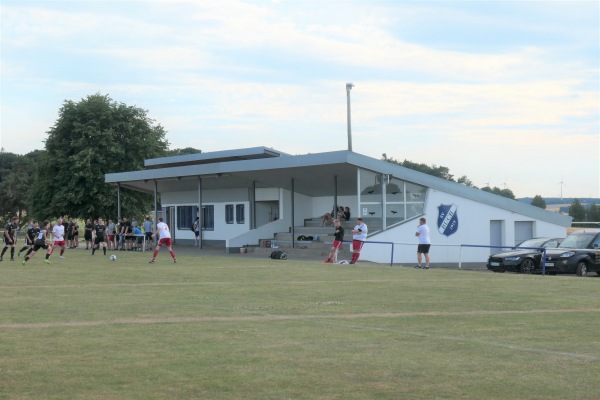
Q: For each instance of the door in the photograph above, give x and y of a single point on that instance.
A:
(523, 231)
(496, 235)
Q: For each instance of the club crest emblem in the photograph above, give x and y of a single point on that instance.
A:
(447, 219)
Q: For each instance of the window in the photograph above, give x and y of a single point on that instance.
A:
(186, 216)
(240, 214)
(229, 213)
(208, 218)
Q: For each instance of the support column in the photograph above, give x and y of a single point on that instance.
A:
(118, 201)
(293, 219)
(253, 207)
(384, 182)
(200, 214)
(155, 203)
(335, 196)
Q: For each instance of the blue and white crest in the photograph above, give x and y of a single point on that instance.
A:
(447, 219)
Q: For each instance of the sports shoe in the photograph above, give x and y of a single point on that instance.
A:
(46, 261)
(426, 267)
(418, 267)
(175, 261)
(328, 261)
(12, 259)
(61, 257)
(351, 262)
(151, 262)
(24, 262)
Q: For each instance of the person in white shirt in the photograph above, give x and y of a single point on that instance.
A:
(424, 243)
(359, 235)
(58, 233)
(164, 237)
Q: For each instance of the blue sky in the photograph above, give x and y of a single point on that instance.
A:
(505, 92)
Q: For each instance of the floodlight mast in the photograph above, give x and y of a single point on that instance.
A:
(349, 87)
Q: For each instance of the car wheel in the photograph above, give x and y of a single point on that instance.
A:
(527, 266)
(581, 269)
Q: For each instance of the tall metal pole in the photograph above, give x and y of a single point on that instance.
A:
(349, 87)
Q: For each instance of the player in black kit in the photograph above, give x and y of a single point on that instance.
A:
(10, 238)
(32, 231)
(100, 229)
(41, 241)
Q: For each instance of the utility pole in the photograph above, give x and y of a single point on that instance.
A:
(349, 87)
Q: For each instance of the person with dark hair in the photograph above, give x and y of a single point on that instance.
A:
(424, 243)
(100, 239)
(196, 229)
(359, 235)
(337, 242)
(41, 242)
(87, 235)
(10, 238)
(32, 230)
(164, 237)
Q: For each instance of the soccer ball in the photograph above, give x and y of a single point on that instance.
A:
(113, 257)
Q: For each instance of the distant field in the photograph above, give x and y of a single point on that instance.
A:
(240, 328)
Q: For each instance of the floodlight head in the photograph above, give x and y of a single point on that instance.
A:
(349, 86)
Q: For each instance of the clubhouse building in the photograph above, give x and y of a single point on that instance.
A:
(247, 195)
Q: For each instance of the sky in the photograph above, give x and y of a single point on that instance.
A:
(506, 93)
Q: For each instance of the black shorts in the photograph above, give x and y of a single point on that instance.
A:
(87, 235)
(40, 244)
(8, 242)
(197, 233)
(148, 236)
(423, 248)
(69, 236)
(99, 239)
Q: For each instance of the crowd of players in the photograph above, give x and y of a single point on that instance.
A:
(125, 235)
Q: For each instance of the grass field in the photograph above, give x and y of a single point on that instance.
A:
(244, 328)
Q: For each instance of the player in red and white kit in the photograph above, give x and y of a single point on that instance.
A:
(164, 237)
(58, 233)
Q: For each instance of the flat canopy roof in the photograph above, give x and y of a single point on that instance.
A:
(313, 175)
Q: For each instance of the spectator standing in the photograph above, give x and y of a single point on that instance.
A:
(87, 235)
(424, 243)
(196, 229)
(148, 230)
(359, 235)
(337, 242)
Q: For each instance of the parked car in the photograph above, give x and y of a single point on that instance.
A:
(526, 261)
(578, 254)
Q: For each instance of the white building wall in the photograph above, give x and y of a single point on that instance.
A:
(473, 228)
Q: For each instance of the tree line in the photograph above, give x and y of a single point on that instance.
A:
(90, 138)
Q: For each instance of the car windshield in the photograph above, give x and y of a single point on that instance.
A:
(577, 240)
(532, 243)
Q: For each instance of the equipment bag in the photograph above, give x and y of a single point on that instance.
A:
(278, 255)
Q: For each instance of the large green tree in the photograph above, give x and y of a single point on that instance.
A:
(16, 176)
(593, 213)
(91, 138)
(577, 211)
(538, 201)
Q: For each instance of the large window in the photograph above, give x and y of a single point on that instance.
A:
(186, 216)
(229, 213)
(240, 214)
(208, 218)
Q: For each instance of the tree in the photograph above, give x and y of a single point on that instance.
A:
(500, 192)
(183, 151)
(538, 201)
(577, 211)
(14, 187)
(593, 213)
(91, 138)
(440, 172)
(466, 181)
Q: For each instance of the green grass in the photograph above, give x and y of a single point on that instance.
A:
(244, 328)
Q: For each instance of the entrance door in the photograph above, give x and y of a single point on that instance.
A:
(523, 231)
(496, 235)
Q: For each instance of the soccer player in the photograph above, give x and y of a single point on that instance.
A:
(164, 237)
(359, 235)
(32, 230)
(87, 235)
(10, 238)
(337, 243)
(41, 242)
(100, 230)
(58, 233)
